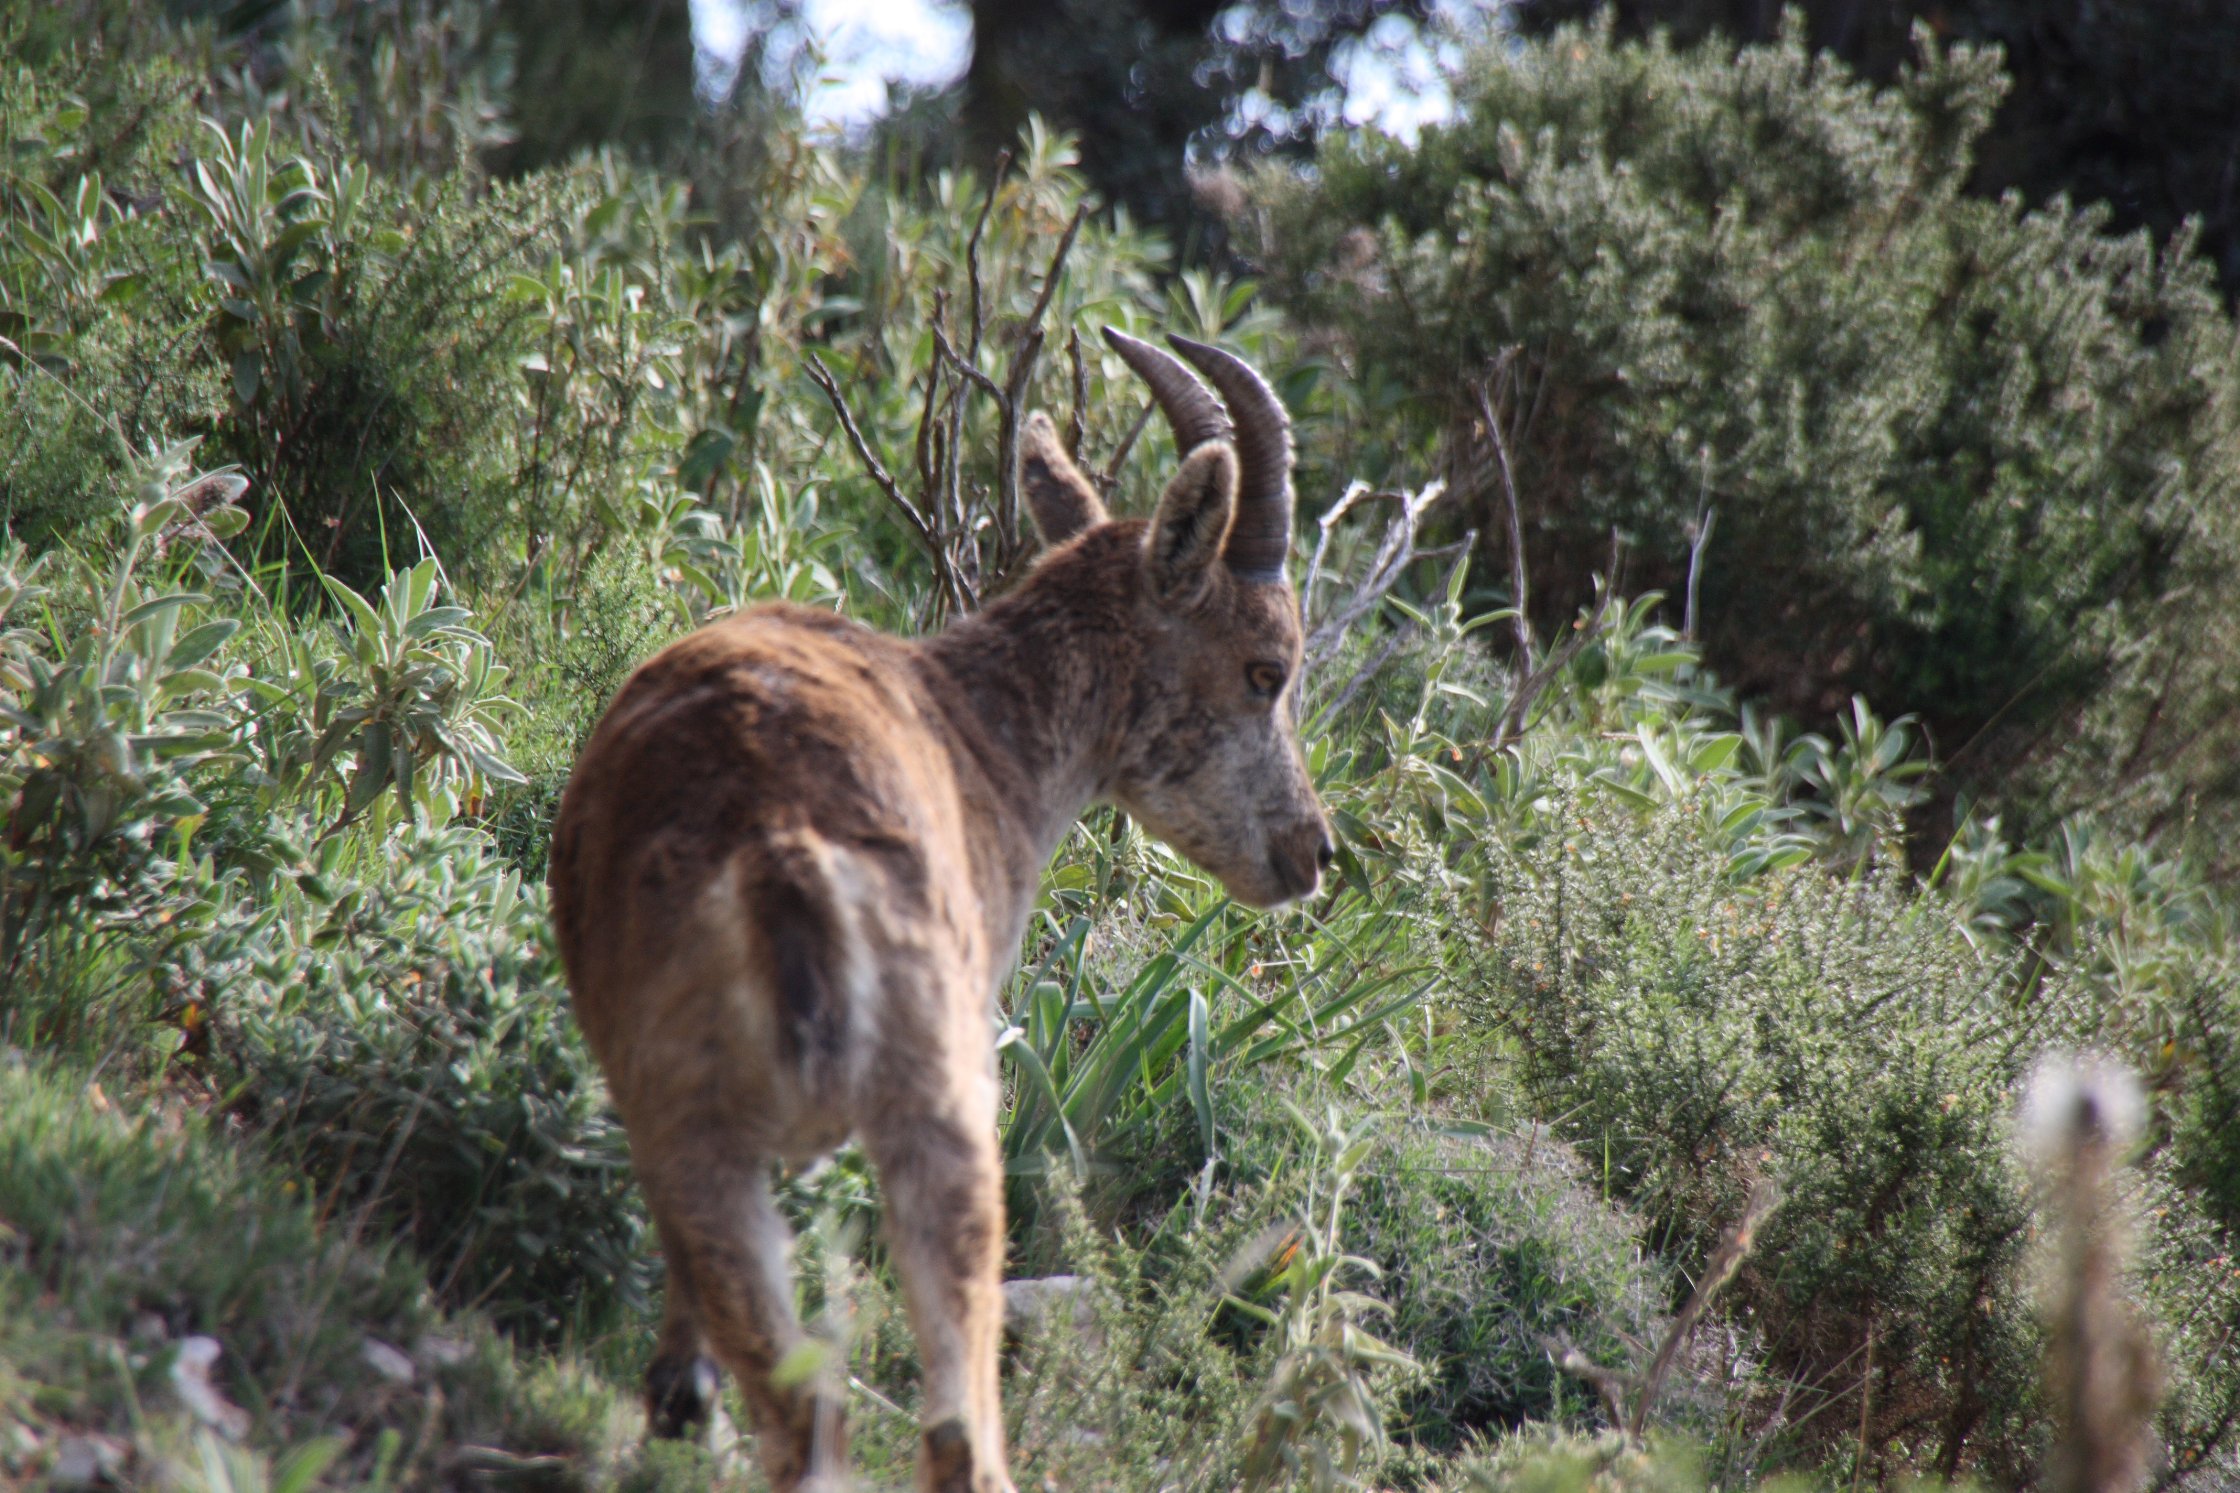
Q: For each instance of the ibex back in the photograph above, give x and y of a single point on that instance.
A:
(797, 858)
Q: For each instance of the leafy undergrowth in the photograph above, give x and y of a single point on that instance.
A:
(175, 1311)
(306, 1178)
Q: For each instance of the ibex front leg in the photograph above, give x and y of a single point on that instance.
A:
(943, 1180)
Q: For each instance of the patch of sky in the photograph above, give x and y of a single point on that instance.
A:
(842, 59)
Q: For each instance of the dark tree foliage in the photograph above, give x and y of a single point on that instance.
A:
(1145, 83)
(1972, 457)
(530, 82)
(2136, 105)
(598, 72)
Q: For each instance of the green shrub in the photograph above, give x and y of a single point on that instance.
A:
(110, 708)
(124, 1229)
(1491, 1247)
(1978, 460)
(99, 365)
(622, 616)
(1700, 1031)
(1230, 1339)
(371, 364)
(397, 1025)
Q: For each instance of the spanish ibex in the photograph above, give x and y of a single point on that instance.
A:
(797, 859)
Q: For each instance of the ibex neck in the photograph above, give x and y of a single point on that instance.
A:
(1040, 680)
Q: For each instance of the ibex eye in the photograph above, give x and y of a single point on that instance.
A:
(1266, 679)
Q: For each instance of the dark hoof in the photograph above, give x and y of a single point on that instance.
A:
(948, 1458)
(681, 1396)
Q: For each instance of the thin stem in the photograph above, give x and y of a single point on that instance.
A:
(1517, 578)
(916, 521)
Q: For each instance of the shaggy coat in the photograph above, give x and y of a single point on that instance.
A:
(795, 863)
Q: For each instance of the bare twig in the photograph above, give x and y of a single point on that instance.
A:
(1608, 1383)
(1358, 492)
(978, 324)
(1733, 1249)
(1077, 422)
(1615, 1387)
(1109, 478)
(1007, 395)
(1517, 579)
(947, 353)
(1396, 551)
(951, 582)
(1015, 386)
(928, 431)
(1460, 551)
(1702, 537)
(1057, 265)
(1699, 535)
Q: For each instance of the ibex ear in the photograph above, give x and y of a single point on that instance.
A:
(1192, 521)
(1062, 500)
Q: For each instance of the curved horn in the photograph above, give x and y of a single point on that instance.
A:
(1193, 414)
(1260, 535)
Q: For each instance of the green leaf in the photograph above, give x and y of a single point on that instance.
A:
(157, 606)
(200, 642)
(300, 1470)
(1713, 753)
(1201, 1099)
(224, 523)
(1349, 866)
(361, 612)
(152, 519)
(373, 766)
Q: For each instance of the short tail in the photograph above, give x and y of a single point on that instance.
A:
(802, 906)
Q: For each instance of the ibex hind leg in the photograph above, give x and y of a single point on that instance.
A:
(682, 1381)
(721, 1222)
(943, 1182)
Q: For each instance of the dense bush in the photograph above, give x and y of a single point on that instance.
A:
(1979, 460)
(2082, 121)
(96, 368)
(305, 317)
(273, 800)
(1492, 1248)
(404, 1038)
(1857, 1045)
(126, 1229)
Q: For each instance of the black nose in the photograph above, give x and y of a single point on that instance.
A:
(1324, 851)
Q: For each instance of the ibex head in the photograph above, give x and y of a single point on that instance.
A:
(1209, 759)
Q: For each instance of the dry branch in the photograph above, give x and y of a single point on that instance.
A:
(972, 248)
(1396, 550)
(1109, 478)
(917, 522)
(1504, 368)
(1538, 677)
(1726, 1260)
(1077, 422)
(1733, 1249)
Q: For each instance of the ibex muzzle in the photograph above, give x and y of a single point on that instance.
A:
(797, 858)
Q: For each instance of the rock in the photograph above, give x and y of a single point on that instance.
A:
(390, 1363)
(190, 1378)
(1028, 1305)
(443, 1352)
(88, 1462)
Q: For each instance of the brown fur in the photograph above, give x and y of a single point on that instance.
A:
(795, 863)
